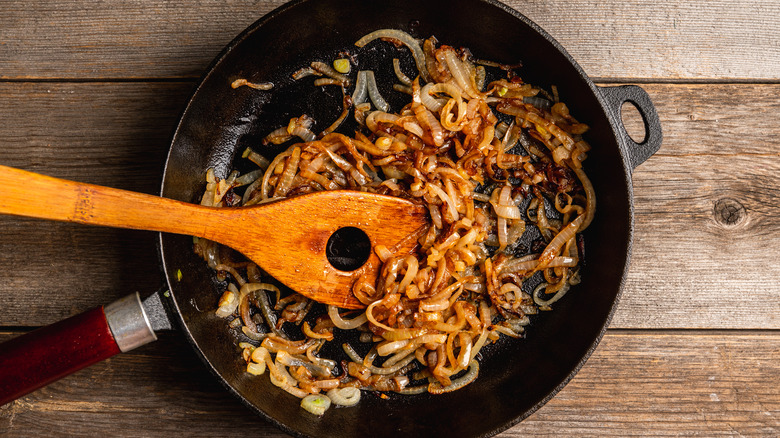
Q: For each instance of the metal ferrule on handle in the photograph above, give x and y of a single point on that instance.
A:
(129, 323)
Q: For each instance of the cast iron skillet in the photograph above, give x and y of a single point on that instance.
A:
(517, 377)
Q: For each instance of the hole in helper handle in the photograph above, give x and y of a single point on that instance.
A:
(34, 360)
(615, 97)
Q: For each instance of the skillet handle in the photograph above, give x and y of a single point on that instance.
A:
(637, 153)
(34, 360)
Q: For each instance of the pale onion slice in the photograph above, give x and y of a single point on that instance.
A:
(407, 40)
(373, 92)
(345, 324)
(344, 396)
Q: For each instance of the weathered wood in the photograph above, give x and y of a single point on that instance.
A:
(614, 40)
(715, 119)
(136, 39)
(114, 134)
(56, 270)
(704, 203)
(667, 384)
(637, 382)
(664, 40)
(683, 272)
(110, 134)
(699, 222)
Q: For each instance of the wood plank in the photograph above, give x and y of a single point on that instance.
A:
(704, 203)
(57, 270)
(709, 383)
(116, 39)
(661, 384)
(693, 40)
(714, 119)
(699, 222)
(101, 133)
(118, 135)
(679, 276)
(64, 39)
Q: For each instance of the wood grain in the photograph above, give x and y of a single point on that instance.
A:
(611, 40)
(667, 384)
(636, 383)
(116, 39)
(669, 41)
(119, 138)
(703, 206)
(55, 270)
(692, 265)
(113, 134)
(715, 119)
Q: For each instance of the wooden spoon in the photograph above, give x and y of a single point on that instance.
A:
(287, 239)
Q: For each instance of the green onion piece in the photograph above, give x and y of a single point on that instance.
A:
(317, 404)
(178, 275)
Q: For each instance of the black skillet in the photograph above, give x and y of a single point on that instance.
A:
(516, 377)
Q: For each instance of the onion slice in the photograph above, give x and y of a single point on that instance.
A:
(316, 404)
(554, 247)
(470, 376)
(346, 324)
(399, 74)
(406, 39)
(373, 92)
(344, 396)
(361, 91)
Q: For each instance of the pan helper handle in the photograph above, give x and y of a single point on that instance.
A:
(34, 360)
(615, 97)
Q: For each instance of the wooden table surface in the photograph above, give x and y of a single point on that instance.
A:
(91, 91)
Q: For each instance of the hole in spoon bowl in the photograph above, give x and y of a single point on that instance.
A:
(348, 248)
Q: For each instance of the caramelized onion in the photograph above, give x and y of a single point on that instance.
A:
(331, 72)
(431, 310)
(257, 86)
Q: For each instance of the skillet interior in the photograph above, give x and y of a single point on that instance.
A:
(516, 377)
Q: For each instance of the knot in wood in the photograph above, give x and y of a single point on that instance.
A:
(729, 212)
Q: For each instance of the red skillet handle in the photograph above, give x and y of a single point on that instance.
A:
(38, 358)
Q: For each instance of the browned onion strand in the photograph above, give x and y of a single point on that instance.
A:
(497, 167)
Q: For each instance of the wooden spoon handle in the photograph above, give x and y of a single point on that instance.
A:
(287, 239)
(30, 194)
